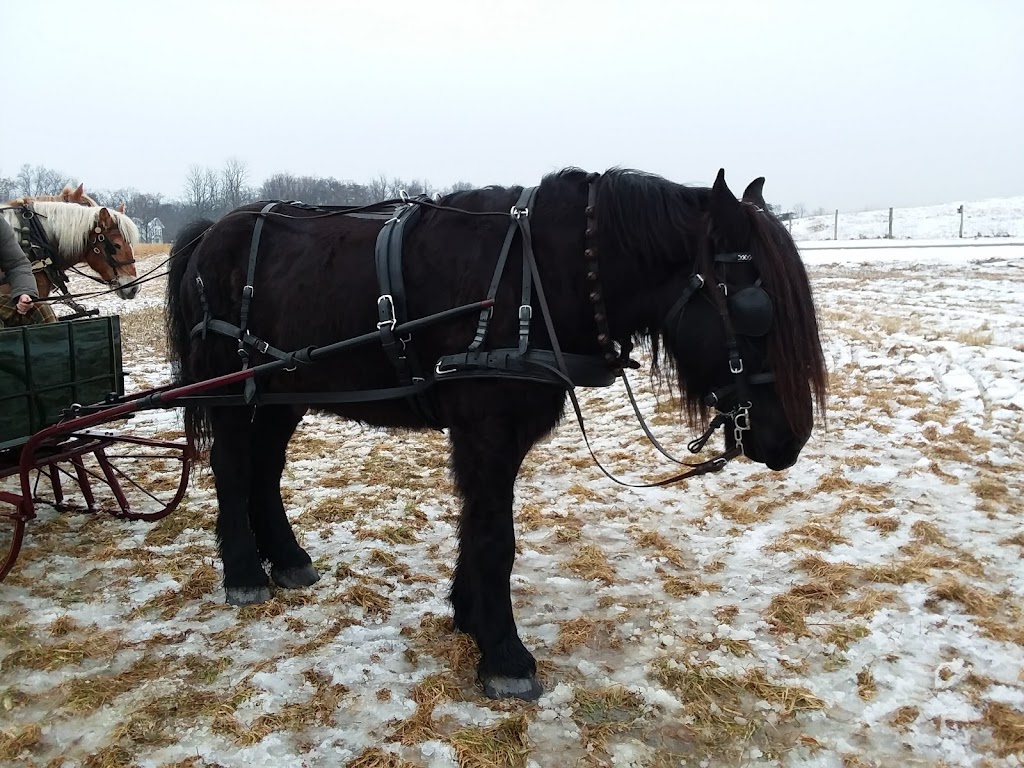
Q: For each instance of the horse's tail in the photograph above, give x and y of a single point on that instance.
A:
(179, 326)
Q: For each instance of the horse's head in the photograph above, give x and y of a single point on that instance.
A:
(76, 196)
(742, 329)
(110, 250)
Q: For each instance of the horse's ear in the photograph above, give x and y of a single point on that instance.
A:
(105, 218)
(730, 222)
(120, 208)
(754, 193)
(69, 195)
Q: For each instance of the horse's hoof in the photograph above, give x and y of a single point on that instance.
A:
(293, 578)
(246, 595)
(525, 688)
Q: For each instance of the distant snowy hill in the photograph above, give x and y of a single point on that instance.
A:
(994, 218)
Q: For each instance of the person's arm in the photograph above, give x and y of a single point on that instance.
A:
(15, 265)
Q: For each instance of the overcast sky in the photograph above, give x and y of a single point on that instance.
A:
(839, 104)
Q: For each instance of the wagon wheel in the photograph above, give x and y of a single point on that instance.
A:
(134, 478)
(12, 532)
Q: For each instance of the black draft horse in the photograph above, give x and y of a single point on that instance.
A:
(623, 256)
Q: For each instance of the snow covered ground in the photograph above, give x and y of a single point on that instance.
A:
(863, 608)
(997, 218)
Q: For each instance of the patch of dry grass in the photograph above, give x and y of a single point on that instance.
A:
(87, 693)
(724, 713)
(661, 545)
(502, 745)
(788, 611)
(375, 757)
(577, 633)
(603, 712)
(374, 603)
(975, 601)
(884, 523)
(16, 740)
(90, 643)
(392, 534)
(686, 587)
(143, 332)
(203, 580)
(919, 566)
(903, 717)
(867, 688)
(1007, 726)
(436, 636)
(813, 535)
(591, 563)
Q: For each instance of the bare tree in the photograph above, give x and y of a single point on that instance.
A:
(7, 187)
(232, 180)
(201, 191)
(380, 187)
(40, 180)
(115, 197)
(799, 210)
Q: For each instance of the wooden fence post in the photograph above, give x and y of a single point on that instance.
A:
(961, 211)
(890, 223)
(835, 228)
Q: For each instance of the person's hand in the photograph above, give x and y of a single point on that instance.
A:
(24, 304)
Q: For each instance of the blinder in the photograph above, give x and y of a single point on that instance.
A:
(751, 311)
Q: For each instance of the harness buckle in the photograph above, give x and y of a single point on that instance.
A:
(519, 213)
(262, 346)
(248, 291)
(386, 309)
(525, 312)
(736, 365)
(439, 371)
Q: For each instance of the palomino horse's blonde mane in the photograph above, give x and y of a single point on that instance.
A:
(69, 225)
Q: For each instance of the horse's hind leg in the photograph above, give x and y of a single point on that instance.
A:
(245, 581)
(272, 428)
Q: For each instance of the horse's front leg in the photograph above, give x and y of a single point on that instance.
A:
(485, 461)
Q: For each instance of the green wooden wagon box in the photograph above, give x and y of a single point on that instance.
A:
(45, 368)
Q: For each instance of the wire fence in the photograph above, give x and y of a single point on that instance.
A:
(1000, 218)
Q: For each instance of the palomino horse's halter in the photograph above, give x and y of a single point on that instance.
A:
(745, 311)
(98, 240)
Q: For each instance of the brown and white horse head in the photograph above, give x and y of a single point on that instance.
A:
(101, 237)
(111, 252)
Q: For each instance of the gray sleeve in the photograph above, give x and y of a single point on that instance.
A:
(14, 264)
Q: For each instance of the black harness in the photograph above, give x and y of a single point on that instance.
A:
(748, 312)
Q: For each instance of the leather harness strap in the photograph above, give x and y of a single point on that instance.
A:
(392, 308)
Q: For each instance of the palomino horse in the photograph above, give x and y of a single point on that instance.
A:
(67, 195)
(62, 235)
(578, 269)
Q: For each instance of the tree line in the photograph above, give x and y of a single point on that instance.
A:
(211, 192)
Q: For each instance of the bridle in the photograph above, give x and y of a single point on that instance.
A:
(747, 312)
(98, 240)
